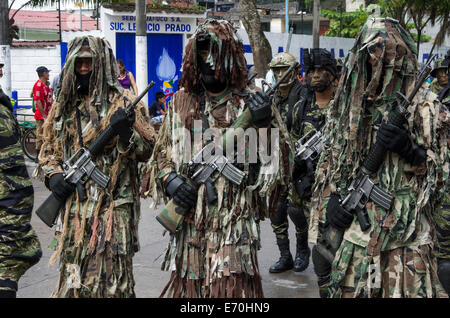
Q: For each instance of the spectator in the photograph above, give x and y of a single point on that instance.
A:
(42, 97)
(159, 105)
(54, 85)
(126, 78)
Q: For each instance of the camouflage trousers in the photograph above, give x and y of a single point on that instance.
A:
(442, 224)
(39, 134)
(298, 213)
(408, 272)
(19, 245)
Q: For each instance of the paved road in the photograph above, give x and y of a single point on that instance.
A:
(40, 280)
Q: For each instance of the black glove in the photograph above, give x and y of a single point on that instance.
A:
(260, 109)
(303, 186)
(337, 216)
(122, 124)
(60, 187)
(182, 193)
(397, 140)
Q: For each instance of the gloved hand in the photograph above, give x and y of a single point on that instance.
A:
(182, 193)
(394, 138)
(122, 124)
(303, 186)
(337, 216)
(397, 140)
(60, 187)
(260, 109)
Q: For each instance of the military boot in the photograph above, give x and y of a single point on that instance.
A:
(302, 255)
(443, 273)
(285, 262)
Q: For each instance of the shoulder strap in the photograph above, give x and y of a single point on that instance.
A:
(80, 137)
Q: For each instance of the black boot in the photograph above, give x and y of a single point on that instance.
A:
(303, 252)
(285, 262)
(7, 293)
(443, 273)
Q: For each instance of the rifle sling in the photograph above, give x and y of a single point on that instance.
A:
(80, 135)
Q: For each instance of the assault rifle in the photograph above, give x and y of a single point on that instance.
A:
(172, 215)
(362, 189)
(80, 167)
(311, 148)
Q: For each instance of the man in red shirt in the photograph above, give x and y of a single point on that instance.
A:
(43, 100)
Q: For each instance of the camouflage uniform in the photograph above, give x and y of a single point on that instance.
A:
(98, 238)
(19, 245)
(393, 257)
(442, 212)
(214, 252)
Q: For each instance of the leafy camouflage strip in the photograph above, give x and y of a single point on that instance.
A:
(351, 127)
(19, 246)
(105, 269)
(103, 229)
(402, 272)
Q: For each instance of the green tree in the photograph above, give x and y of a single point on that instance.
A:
(345, 24)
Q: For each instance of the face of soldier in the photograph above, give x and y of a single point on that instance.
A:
(278, 72)
(319, 78)
(442, 77)
(83, 70)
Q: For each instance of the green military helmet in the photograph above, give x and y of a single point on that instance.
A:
(440, 64)
(282, 59)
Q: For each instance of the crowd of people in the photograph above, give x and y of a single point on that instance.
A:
(362, 173)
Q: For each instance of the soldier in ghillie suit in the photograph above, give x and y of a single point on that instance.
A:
(393, 257)
(284, 99)
(98, 237)
(19, 245)
(214, 251)
(440, 74)
(305, 119)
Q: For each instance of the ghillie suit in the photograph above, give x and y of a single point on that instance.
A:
(214, 252)
(19, 244)
(99, 236)
(393, 257)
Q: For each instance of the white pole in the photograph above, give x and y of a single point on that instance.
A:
(141, 48)
(5, 81)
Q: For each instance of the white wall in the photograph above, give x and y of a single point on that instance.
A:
(25, 61)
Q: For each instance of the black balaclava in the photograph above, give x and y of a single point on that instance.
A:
(83, 83)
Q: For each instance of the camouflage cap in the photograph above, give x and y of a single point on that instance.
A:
(282, 59)
(440, 64)
(316, 58)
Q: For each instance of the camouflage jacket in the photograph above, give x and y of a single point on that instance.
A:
(415, 189)
(61, 141)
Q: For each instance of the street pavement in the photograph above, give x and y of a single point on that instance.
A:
(39, 281)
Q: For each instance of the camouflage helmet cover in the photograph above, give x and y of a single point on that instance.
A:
(440, 64)
(282, 59)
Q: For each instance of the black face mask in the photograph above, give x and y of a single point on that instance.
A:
(83, 83)
(210, 83)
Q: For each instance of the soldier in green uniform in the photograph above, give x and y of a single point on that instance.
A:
(96, 239)
(393, 256)
(304, 120)
(213, 253)
(442, 212)
(440, 74)
(19, 245)
(284, 98)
